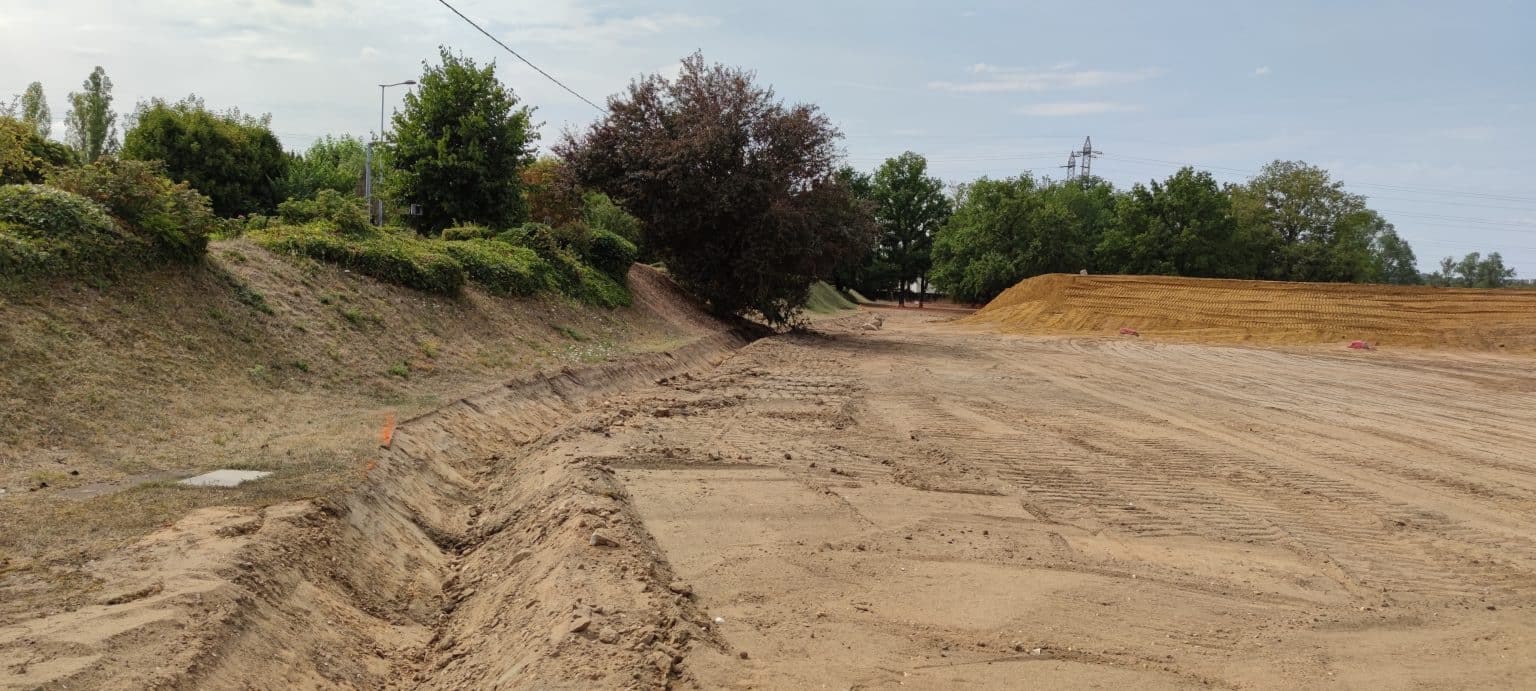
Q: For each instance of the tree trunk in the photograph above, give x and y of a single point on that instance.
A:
(922, 289)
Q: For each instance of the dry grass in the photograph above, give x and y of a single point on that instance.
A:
(252, 361)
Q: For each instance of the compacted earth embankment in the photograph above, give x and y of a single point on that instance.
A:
(467, 557)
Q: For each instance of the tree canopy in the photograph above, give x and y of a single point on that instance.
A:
(91, 122)
(330, 163)
(1005, 230)
(233, 158)
(738, 192)
(909, 206)
(457, 145)
(1180, 227)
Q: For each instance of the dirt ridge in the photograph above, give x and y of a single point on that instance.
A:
(1267, 312)
(363, 591)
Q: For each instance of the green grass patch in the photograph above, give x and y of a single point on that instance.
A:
(824, 299)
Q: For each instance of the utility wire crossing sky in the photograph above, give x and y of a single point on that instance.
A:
(1422, 107)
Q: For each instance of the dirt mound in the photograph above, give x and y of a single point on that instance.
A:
(1267, 312)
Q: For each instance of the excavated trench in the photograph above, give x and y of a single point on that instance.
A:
(471, 555)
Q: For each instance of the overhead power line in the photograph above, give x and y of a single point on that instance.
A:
(514, 53)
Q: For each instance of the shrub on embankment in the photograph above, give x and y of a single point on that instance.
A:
(101, 218)
(523, 261)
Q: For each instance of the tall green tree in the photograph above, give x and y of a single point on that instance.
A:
(738, 193)
(91, 123)
(1003, 231)
(1309, 227)
(1474, 271)
(233, 158)
(1182, 226)
(457, 146)
(34, 110)
(1394, 260)
(910, 206)
(865, 268)
(330, 163)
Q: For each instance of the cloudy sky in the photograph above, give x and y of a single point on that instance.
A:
(1423, 106)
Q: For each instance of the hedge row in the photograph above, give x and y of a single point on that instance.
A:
(399, 259)
(502, 268)
(505, 265)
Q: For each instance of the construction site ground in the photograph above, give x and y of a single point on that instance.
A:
(935, 508)
(892, 499)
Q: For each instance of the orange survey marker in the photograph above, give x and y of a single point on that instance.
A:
(387, 433)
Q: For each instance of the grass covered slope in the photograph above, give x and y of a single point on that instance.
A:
(1268, 312)
(824, 299)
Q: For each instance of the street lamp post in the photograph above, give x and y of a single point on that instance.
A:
(368, 158)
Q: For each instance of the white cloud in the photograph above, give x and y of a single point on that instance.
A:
(582, 28)
(1261, 71)
(995, 79)
(1066, 109)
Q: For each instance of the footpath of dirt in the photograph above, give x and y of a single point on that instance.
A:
(1267, 312)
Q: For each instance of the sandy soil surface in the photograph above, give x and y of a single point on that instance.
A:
(1212, 310)
(920, 505)
(931, 508)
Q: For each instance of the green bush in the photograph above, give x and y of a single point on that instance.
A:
(347, 212)
(600, 213)
(393, 258)
(49, 231)
(502, 268)
(172, 216)
(597, 288)
(468, 231)
(26, 156)
(610, 253)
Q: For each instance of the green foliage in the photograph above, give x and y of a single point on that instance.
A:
(1394, 260)
(1003, 231)
(46, 231)
(597, 288)
(344, 211)
(1473, 271)
(330, 163)
(825, 299)
(468, 231)
(1304, 223)
(610, 253)
(910, 207)
(173, 216)
(1180, 227)
(33, 110)
(392, 258)
(91, 122)
(600, 213)
(502, 268)
(456, 147)
(233, 158)
(26, 156)
(736, 191)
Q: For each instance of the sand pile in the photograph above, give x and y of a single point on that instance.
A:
(1269, 312)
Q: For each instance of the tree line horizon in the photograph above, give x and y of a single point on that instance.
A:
(746, 200)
